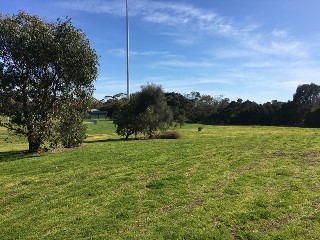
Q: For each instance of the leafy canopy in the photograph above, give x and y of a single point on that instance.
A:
(42, 67)
(146, 112)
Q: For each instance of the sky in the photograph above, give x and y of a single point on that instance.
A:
(259, 50)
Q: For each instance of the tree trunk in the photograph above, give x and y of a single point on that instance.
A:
(34, 144)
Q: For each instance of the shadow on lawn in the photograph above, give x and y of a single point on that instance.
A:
(16, 155)
(110, 140)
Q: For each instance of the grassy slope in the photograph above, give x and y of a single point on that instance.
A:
(221, 183)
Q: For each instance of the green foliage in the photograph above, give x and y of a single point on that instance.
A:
(68, 130)
(306, 102)
(313, 118)
(152, 104)
(71, 129)
(205, 109)
(146, 112)
(112, 104)
(42, 65)
(307, 94)
(170, 135)
(127, 120)
(150, 121)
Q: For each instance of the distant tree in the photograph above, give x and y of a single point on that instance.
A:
(270, 109)
(94, 103)
(230, 112)
(43, 65)
(206, 108)
(286, 115)
(251, 113)
(180, 106)
(112, 104)
(313, 118)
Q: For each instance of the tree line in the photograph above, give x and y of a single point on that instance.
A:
(302, 111)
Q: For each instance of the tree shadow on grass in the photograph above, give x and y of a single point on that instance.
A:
(16, 155)
(110, 140)
(120, 140)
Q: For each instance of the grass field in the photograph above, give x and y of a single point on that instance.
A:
(221, 183)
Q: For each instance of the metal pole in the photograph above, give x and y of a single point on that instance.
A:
(128, 60)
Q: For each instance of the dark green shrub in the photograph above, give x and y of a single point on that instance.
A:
(72, 134)
(145, 113)
(170, 135)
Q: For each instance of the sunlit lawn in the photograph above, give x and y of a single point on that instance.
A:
(225, 182)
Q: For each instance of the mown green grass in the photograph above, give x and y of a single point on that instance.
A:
(221, 183)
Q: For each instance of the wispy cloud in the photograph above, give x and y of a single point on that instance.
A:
(185, 41)
(230, 53)
(278, 48)
(279, 33)
(120, 52)
(209, 22)
(169, 13)
(268, 59)
(185, 64)
(95, 6)
(173, 84)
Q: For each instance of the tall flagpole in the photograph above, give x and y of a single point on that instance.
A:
(128, 62)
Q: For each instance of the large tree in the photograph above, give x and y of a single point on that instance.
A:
(307, 94)
(43, 66)
(306, 100)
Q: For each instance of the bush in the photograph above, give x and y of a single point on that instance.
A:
(68, 131)
(72, 134)
(170, 135)
(145, 113)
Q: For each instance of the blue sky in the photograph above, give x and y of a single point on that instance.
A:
(259, 50)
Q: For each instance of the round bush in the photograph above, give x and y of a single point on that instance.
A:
(170, 135)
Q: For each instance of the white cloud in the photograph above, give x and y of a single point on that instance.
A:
(288, 48)
(169, 13)
(162, 18)
(95, 6)
(279, 33)
(120, 52)
(185, 41)
(230, 53)
(188, 84)
(185, 64)
(275, 47)
(259, 64)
